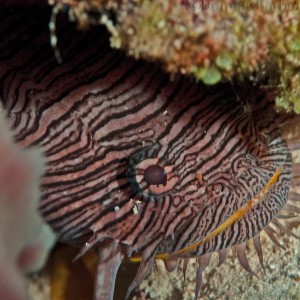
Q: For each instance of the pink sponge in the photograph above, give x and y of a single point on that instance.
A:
(25, 239)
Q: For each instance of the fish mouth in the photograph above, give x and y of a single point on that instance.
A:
(239, 214)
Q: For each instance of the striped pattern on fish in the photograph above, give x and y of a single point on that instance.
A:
(101, 119)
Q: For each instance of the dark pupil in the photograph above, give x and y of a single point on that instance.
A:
(155, 175)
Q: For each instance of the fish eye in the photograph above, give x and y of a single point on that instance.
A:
(155, 175)
(150, 176)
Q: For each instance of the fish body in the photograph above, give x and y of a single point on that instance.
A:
(102, 119)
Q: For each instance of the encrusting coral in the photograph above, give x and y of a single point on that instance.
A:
(210, 40)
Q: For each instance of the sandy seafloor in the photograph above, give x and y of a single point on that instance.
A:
(229, 281)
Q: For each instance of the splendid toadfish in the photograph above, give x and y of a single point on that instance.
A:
(140, 167)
